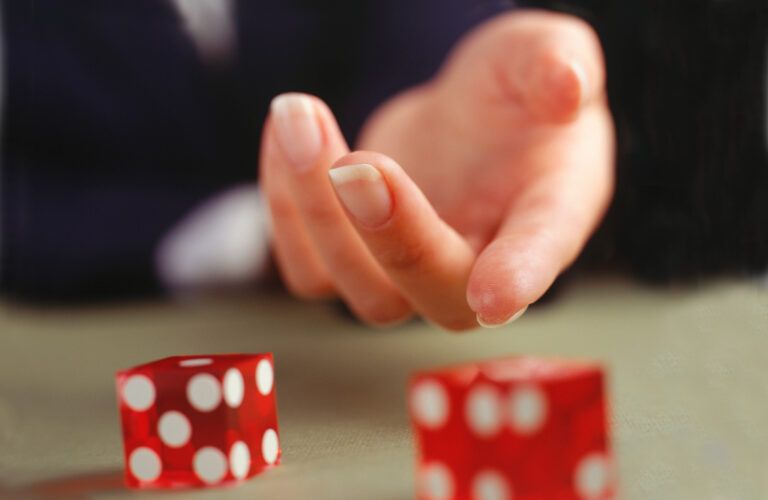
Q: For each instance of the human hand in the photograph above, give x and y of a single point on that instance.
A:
(507, 169)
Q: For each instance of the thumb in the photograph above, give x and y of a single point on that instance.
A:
(550, 65)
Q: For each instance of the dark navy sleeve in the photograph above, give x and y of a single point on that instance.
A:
(112, 130)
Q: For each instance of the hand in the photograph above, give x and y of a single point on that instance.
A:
(507, 162)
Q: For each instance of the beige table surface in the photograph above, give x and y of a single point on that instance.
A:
(688, 372)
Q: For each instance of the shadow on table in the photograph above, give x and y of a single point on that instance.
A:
(74, 487)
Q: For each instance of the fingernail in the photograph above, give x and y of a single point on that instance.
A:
(488, 324)
(363, 192)
(297, 129)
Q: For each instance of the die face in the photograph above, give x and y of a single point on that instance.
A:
(198, 421)
(532, 429)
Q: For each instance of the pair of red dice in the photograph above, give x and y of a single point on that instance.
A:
(198, 421)
(512, 429)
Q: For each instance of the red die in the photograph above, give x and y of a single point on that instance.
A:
(198, 420)
(518, 428)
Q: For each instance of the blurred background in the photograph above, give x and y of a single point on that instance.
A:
(130, 137)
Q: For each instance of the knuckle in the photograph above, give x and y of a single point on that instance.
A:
(555, 24)
(458, 324)
(405, 258)
(320, 212)
(310, 290)
(384, 313)
(462, 326)
(579, 27)
(281, 206)
(556, 87)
